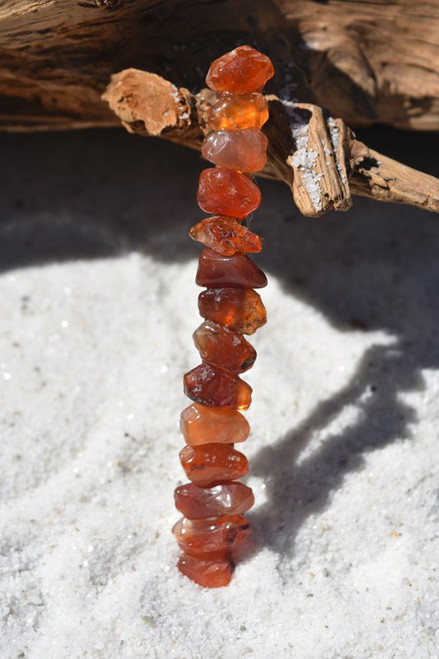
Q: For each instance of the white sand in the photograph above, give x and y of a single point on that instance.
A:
(98, 307)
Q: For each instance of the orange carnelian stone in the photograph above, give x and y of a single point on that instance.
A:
(200, 536)
(224, 499)
(209, 386)
(243, 150)
(211, 463)
(202, 425)
(210, 571)
(237, 271)
(241, 70)
(224, 192)
(223, 348)
(237, 308)
(238, 111)
(225, 235)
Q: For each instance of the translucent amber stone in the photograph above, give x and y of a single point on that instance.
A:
(224, 192)
(237, 271)
(223, 348)
(201, 536)
(211, 463)
(238, 111)
(210, 572)
(225, 235)
(241, 70)
(202, 425)
(223, 499)
(209, 386)
(244, 150)
(237, 308)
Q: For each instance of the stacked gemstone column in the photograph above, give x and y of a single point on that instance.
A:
(213, 502)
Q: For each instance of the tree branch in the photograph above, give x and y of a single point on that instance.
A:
(315, 154)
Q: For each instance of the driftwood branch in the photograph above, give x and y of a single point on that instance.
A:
(315, 154)
(367, 61)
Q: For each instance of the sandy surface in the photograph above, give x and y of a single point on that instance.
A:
(98, 307)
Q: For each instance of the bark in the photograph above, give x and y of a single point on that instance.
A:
(311, 151)
(367, 61)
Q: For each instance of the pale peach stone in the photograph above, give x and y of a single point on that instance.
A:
(203, 425)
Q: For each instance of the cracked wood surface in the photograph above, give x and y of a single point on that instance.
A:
(367, 61)
(315, 154)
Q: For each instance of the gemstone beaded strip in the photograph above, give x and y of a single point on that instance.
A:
(213, 502)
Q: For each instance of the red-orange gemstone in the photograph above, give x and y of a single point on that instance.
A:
(210, 572)
(237, 271)
(243, 150)
(241, 70)
(224, 192)
(215, 388)
(223, 348)
(225, 235)
(237, 308)
(201, 536)
(223, 499)
(211, 463)
(202, 425)
(238, 111)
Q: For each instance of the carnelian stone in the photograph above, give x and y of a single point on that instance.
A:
(224, 499)
(209, 386)
(238, 111)
(237, 271)
(225, 235)
(211, 463)
(244, 150)
(224, 192)
(201, 536)
(223, 348)
(243, 69)
(237, 308)
(202, 425)
(209, 572)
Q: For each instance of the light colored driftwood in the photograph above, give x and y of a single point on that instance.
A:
(367, 61)
(315, 154)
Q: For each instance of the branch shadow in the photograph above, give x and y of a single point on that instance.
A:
(372, 269)
(295, 488)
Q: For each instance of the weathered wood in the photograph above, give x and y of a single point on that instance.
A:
(367, 61)
(315, 154)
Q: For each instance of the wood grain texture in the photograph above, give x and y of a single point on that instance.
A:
(367, 61)
(315, 154)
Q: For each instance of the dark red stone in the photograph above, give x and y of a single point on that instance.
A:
(237, 271)
(223, 348)
(240, 309)
(215, 388)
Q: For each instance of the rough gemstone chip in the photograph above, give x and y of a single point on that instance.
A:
(241, 70)
(212, 463)
(238, 111)
(239, 309)
(209, 386)
(225, 235)
(237, 271)
(223, 191)
(223, 499)
(201, 536)
(223, 348)
(202, 425)
(243, 150)
(212, 571)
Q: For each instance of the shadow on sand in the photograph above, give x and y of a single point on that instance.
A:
(99, 194)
